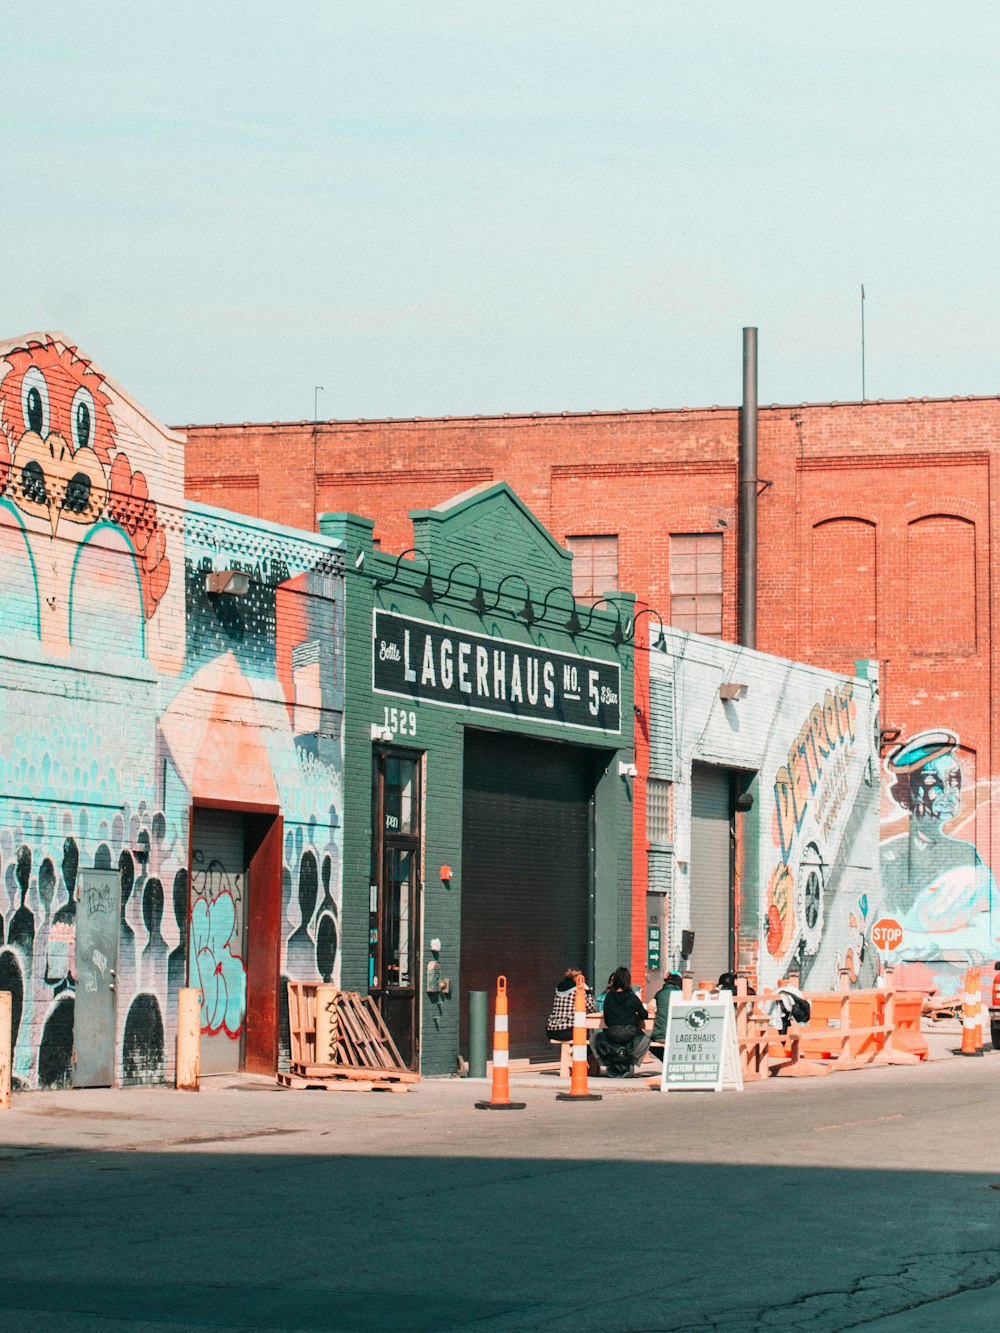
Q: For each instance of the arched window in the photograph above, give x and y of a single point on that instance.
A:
(844, 589)
(941, 584)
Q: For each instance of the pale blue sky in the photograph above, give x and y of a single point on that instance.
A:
(438, 208)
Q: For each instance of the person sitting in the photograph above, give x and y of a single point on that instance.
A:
(622, 1042)
(672, 985)
(560, 1021)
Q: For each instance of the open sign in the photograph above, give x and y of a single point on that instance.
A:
(887, 934)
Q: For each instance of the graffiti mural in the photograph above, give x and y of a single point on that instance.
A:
(219, 972)
(934, 882)
(819, 910)
(64, 474)
(129, 694)
(802, 753)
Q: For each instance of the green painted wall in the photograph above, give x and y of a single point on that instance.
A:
(497, 534)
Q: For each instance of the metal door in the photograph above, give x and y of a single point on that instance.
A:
(98, 910)
(527, 875)
(712, 865)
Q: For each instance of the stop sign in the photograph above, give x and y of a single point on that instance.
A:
(887, 934)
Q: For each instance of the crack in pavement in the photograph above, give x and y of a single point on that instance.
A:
(920, 1281)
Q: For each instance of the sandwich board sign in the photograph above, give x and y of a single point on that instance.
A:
(701, 1051)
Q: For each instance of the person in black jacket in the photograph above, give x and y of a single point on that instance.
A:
(623, 1041)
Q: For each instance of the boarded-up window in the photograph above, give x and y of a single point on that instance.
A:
(844, 588)
(941, 585)
(696, 582)
(595, 566)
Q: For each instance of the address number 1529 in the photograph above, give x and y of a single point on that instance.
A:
(401, 721)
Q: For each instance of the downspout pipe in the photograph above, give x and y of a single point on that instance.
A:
(748, 487)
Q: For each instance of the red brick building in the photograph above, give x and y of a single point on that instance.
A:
(878, 524)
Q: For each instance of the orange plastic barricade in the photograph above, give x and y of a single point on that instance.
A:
(500, 1092)
(972, 1014)
(907, 1006)
(829, 1024)
(578, 1073)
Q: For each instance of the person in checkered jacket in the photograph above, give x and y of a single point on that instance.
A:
(560, 1022)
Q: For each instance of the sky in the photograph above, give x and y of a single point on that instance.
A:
(440, 207)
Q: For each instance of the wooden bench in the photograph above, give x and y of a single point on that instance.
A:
(594, 1021)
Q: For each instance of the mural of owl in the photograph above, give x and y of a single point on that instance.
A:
(61, 466)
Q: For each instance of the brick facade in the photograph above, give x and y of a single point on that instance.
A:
(877, 532)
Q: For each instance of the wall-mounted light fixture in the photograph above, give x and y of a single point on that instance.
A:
(527, 612)
(426, 589)
(650, 611)
(573, 623)
(731, 691)
(617, 636)
(232, 582)
(381, 733)
(627, 770)
(477, 601)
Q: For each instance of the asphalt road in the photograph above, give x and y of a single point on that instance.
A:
(864, 1200)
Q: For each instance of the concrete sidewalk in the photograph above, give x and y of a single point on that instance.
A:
(238, 1109)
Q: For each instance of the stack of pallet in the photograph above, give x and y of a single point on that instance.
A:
(340, 1041)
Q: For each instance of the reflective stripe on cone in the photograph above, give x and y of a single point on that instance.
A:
(500, 1092)
(972, 1014)
(578, 1074)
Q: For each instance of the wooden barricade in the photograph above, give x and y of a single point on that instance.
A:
(847, 1029)
(751, 1034)
(339, 1040)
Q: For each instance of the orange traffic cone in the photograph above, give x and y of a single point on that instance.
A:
(972, 1014)
(500, 1093)
(578, 1073)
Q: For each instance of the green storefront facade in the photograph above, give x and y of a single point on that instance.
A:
(487, 773)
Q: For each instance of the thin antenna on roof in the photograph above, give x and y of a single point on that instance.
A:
(316, 393)
(862, 342)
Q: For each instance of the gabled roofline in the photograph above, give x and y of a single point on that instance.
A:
(483, 494)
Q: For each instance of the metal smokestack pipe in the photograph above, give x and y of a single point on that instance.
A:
(747, 569)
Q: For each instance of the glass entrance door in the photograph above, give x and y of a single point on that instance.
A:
(394, 950)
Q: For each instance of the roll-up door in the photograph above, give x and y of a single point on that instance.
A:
(526, 875)
(218, 935)
(711, 871)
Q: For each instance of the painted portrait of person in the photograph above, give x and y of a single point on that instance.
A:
(936, 885)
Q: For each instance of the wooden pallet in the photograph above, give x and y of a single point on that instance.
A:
(337, 1083)
(302, 1021)
(350, 1072)
(363, 1041)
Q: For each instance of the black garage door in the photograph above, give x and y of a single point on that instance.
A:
(526, 875)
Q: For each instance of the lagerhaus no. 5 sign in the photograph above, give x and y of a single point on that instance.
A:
(443, 665)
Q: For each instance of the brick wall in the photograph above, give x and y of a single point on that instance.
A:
(877, 537)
